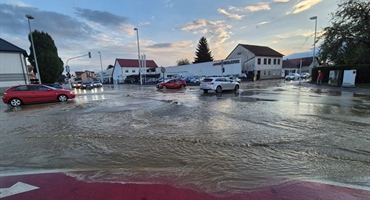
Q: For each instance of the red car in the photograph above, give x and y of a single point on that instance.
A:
(172, 84)
(35, 93)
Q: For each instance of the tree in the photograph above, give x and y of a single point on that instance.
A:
(110, 66)
(49, 63)
(203, 54)
(347, 40)
(183, 62)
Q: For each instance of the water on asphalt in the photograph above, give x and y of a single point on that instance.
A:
(265, 134)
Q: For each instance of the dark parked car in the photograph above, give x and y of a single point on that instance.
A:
(172, 84)
(24, 94)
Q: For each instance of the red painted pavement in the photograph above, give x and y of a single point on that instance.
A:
(58, 186)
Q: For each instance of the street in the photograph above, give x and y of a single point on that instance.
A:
(266, 134)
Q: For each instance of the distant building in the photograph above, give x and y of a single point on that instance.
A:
(260, 61)
(13, 67)
(85, 76)
(289, 67)
(307, 64)
(128, 67)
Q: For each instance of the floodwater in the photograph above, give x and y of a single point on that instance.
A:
(266, 134)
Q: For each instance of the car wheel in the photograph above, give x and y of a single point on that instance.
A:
(182, 86)
(15, 102)
(236, 87)
(218, 89)
(205, 91)
(164, 87)
(62, 98)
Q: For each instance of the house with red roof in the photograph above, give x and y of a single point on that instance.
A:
(307, 64)
(260, 61)
(130, 67)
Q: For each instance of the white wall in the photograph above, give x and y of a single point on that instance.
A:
(232, 66)
(117, 74)
(13, 70)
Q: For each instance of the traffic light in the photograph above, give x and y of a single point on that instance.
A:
(89, 55)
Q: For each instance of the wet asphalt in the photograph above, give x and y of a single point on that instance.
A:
(268, 132)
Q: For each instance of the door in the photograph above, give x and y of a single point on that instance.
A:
(41, 93)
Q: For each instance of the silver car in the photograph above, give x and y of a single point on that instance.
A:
(218, 84)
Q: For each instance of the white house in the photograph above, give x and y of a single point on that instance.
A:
(128, 67)
(260, 61)
(13, 67)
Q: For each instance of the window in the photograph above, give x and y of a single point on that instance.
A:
(20, 88)
(43, 88)
(274, 61)
(126, 71)
(274, 72)
(269, 61)
(264, 73)
(133, 71)
(265, 61)
(278, 61)
(259, 61)
(269, 73)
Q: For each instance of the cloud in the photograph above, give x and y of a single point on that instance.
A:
(304, 5)
(281, 1)
(56, 24)
(102, 18)
(168, 3)
(262, 23)
(232, 16)
(256, 8)
(216, 32)
(179, 45)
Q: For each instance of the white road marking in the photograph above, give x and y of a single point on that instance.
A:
(16, 189)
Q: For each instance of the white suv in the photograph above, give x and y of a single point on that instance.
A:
(218, 84)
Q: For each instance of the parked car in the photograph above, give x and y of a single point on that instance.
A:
(54, 85)
(77, 84)
(172, 84)
(24, 94)
(305, 75)
(292, 76)
(87, 85)
(218, 84)
(97, 84)
(235, 78)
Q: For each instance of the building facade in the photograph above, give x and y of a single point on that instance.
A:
(129, 67)
(258, 61)
(13, 67)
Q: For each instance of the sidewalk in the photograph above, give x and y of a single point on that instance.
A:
(365, 91)
(59, 186)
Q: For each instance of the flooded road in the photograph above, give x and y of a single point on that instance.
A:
(268, 133)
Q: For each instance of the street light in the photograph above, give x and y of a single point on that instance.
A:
(101, 65)
(33, 48)
(138, 54)
(314, 42)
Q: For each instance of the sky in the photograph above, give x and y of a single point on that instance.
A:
(168, 30)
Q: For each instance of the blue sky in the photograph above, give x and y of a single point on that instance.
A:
(169, 30)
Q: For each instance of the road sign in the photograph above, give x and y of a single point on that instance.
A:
(67, 68)
(163, 70)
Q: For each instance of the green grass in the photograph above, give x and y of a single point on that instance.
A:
(364, 85)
